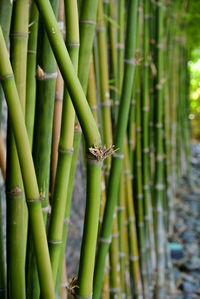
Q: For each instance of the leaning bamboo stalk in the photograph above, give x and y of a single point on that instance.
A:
(16, 206)
(46, 79)
(32, 284)
(114, 179)
(93, 142)
(28, 172)
(65, 148)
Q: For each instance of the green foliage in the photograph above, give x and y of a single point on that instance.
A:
(194, 68)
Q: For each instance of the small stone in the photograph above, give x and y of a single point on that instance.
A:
(188, 287)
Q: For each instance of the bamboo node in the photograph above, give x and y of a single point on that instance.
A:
(41, 75)
(120, 46)
(133, 102)
(19, 34)
(122, 255)
(146, 150)
(120, 208)
(115, 235)
(115, 290)
(159, 158)
(133, 258)
(159, 125)
(100, 29)
(6, 77)
(33, 200)
(101, 153)
(107, 103)
(46, 209)
(146, 187)
(131, 219)
(159, 187)
(73, 44)
(130, 61)
(54, 242)
(16, 191)
(88, 22)
(31, 51)
(105, 240)
(66, 151)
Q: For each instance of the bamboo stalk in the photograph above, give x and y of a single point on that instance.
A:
(32, 284)
(159, 175)
(5, 20)
(92, 139)
(57, 107)
(28, 173)
(16, 207)
(46, 80)
(114, 179)
(150, 254)
(31, 69)
(133, 243)
(65, 149)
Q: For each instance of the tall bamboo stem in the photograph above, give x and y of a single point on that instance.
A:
(114, 179)
(65, 148)
(28, 173)
(16, 207)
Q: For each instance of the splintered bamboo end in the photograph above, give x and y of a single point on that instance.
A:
(39, 72)
(101, 153)
(72, 286)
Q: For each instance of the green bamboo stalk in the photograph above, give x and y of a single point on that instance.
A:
(32, 289)
(133, 243)
(5, 20)
(2, 257)
(67, 70)
(120, 45)
(145, 147)
(114, 179)
(139, 184)
(92, 138)
(121, 226)
(57, 107)
(159, 175)
(113, 50)
(16, 208)
(31, 69)
(76, 142)
(65, 148)
(115, 288)
(28, 173)
(46, 80)
(104, 84)
(132, 131)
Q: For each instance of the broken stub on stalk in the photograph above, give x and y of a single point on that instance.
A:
(100, 153)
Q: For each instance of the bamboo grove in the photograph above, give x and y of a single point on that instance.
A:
(110, 77)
